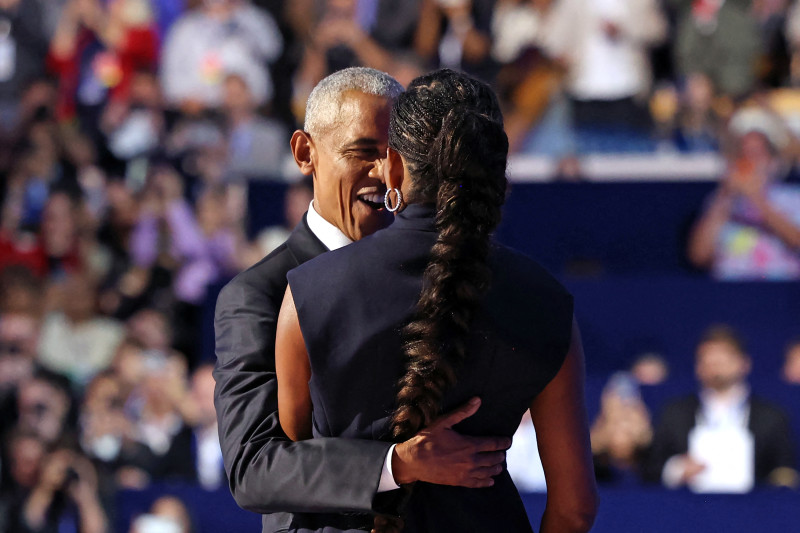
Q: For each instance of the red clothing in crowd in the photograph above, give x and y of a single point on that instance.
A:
(112, 69)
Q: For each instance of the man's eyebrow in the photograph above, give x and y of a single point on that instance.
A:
(361, 141)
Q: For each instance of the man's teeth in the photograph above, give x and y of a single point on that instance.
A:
(375, 198)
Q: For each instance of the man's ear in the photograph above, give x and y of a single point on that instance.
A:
(304, 152)
(394, 169)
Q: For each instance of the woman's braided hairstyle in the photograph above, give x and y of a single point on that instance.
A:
(449, 130)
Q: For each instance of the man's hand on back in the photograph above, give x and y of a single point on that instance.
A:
(438, 454)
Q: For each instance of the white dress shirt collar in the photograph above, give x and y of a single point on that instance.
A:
(331, 236)
(730, 408)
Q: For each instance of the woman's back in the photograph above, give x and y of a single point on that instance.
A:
(352, 304)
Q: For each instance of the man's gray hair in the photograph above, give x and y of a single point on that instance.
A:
(324, 101)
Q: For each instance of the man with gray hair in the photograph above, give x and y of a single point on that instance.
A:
(343, 145)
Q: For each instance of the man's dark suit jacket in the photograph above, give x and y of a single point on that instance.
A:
(768, 424)
(267, 472)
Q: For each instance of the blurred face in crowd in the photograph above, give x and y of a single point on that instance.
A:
(202, 392)
(172, 510)
(145, 90)
(346, 159)
(79, 298)
(755, 148)
(627, 427)
(18, 337)
(699, 92)
(219, 8)
(128, 364)
(237, 98)
(43, 409)
(59, 225)
(791, 367)
(26, 454)
(720, 365)
(340, 8)
(211, 213)
(151, 329)
(103, 395)
(296, 204)
(20, 292)
(650, 370)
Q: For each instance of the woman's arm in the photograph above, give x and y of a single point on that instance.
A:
(562, 431)
(293, 371)
(704, 234)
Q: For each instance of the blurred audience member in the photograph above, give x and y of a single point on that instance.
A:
(106, 437)
(750, 228)
(621, 434)
(350, 33)
(23, 48)
(722, 439)
(20, 291)
(456, 34)
(195, 455)
(791, 363)
(212, 41)
(529, 80)
(197, 249)
(18, 338)
(650, 369)
(96, 49)
(44, 406)
(604, 45)
(698, 127)
(792, 32)
(22, 461)
(295, 204)
(65, 498)
(774, 58)
(135, 127)
(718, 38)
(168, 514)
(76, 341)
(150, 330)
(257, 147)
(55, 253)
(128, 366)
(154, 408)
(23, 453)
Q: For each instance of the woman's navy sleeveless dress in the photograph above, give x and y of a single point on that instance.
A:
(352, 303)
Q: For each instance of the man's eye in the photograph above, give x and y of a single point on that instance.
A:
(365, 153)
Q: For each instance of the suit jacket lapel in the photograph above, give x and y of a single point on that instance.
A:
(303, 244)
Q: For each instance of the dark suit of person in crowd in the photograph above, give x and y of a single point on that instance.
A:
(724, 400)
(342, 146)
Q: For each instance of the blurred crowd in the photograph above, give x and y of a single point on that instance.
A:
(728, 436)
(129, 130)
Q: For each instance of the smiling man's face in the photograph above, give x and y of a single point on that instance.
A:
(347, 157)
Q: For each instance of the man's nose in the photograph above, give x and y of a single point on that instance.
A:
(376, 171)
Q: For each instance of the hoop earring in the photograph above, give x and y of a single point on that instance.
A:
(387, 200)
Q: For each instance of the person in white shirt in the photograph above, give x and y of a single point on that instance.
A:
(217, 39)
(722, 439)
(604, 46)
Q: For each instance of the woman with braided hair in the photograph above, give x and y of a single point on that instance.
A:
(378, 338)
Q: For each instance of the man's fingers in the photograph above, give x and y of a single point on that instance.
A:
(490, 458)
(457, 415)
(478, 483)
(487, 472)
(489, 444)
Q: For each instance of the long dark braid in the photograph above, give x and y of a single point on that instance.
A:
(448, 128)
